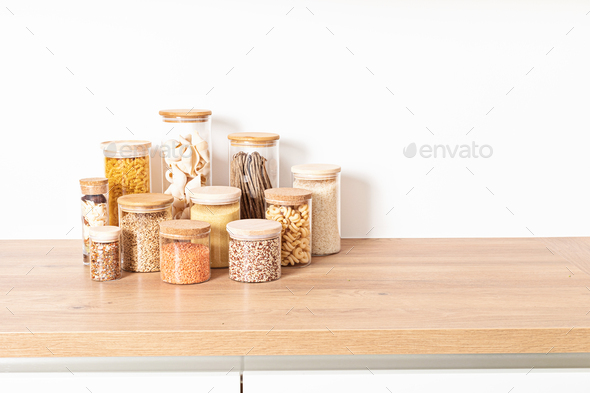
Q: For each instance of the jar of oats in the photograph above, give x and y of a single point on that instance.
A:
(105, 253)
(323, 180)
(254, 250)
(95, 211)
(291, 207)
(139, 218)
(184, 251)
(127, 166)
(218, 206)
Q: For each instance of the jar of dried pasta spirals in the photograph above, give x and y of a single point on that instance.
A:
(291, 207)
(127, 166)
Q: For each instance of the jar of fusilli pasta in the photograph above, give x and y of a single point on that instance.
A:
(127, 166)
(291, 207)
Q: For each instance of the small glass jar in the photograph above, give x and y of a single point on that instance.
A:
(254, 250)
(139, 217)
(323, 180)
(105, 253)
(218, 206)
(95, 210)
(186, 157)
(184, 251)
(127, 166)
(291, 207)
(253, 168)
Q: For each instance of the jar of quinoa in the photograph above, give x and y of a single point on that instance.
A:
(105, 253)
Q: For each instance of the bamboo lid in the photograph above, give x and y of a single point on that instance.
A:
(253, 138)
(94, 185)
(286, 195)
(126, 148)
(316, 169)
(151, 201)
(254, 228)
(185, 115)
(105, 233)
(185, 228)
(215, 195)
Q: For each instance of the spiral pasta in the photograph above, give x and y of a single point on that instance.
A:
(296, 233)
(126, 176)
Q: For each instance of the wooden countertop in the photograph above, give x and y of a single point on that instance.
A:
(377, 296)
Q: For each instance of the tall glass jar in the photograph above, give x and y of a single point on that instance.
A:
(323, 180)
(218, 206)
(184, 251)
(291, 207)
(253, 168)
(95, 210)
(186, 156)
(105, 253)
(127, 166)
(254, 250)
(139, 217)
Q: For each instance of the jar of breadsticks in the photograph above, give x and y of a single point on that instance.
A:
(291, 207)
(127, 166)
(186, 155)
(253, 168)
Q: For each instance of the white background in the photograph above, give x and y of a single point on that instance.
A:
(343, 82)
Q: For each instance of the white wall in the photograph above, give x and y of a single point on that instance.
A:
(320, 74)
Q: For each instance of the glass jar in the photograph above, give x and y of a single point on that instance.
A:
(253, 168)
(323, 180)
(140, 216)
(291, 207)
(218, 206)
(105, 253)
(127, 166)
(95, 210)
(186, 160)
(184, 251)
(254, 250)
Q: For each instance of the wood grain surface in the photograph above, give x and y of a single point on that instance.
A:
(377, 296)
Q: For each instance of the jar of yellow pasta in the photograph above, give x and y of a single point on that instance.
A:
(127, 166)
(291, 207)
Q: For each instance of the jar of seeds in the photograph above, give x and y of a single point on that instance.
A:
(139, 218)
(254, 250)
(95, 210)
(105, 254)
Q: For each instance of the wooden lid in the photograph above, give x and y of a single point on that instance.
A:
(253, 137)
(126, 148)
(94, 185)
(185, 115)
(150, 201)
(286, 195)
(316, 169)
(254, 229)
(215, 195)
(105, 233)
(184, 228)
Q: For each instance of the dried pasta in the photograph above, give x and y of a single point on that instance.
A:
(296, 233)
(126, 176)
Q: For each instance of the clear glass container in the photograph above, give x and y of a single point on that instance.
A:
(184, 251)
(95, 210)
(323, 180)
(291, 207)
(253, 168)
(218, 206)
(105, 253)
(139, 217)
(186, 156)
(254, 250)
(127, 166)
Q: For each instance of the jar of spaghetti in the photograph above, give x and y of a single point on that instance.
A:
(95, 211)
(291, 207)
(127, 166)
(253, 168)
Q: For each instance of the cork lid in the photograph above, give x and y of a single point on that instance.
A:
(253, 138)
(286, 195)
(145, 201)
(185, 115)
(104, 233)
(254, 229)
(94, 185)
(126, 148)
(184, 228)
(327, 170)
(215, 195)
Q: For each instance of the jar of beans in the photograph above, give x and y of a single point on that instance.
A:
(105, 253)
(291, 207)
(127, 166)
(254, 250)
(184, 251)
(95, 210)
(139, 217)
